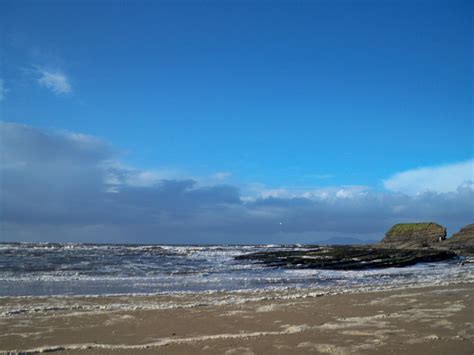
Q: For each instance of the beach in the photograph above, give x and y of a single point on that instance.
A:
(409, 319)
(236, 177)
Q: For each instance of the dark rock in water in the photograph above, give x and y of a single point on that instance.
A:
(348, 257)
(414, 235)
(404, 244)
(462, 241)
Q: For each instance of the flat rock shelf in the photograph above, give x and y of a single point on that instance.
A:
(348, 257)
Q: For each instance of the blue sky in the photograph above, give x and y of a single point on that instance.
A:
(276, 99)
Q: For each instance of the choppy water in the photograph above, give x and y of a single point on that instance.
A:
(83, 269)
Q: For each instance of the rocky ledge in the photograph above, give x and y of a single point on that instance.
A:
(348, 257)
(403, 245)
(461, 242)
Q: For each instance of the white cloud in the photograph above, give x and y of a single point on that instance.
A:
(148, 178)
(441, 179)
(276, 193)
(343, 193)
(260, 191)
(222, 175)
(3, 90)
(56, 81)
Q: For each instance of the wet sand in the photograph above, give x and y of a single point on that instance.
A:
(414, 320)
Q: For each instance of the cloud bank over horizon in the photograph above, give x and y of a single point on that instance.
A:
(443, 178)
(70, 187)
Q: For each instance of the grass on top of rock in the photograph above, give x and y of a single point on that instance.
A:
(409, 228)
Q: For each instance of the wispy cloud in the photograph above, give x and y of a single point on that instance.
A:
(441, 179)
(222, 175)
(54, 80)
(3, 90)
(256, 191)
(319, 176)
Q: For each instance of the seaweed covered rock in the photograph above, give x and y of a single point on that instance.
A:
(414, 235)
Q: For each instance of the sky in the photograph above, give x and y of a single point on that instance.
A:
(234, 121)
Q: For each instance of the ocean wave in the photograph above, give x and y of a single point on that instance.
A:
(55, 269)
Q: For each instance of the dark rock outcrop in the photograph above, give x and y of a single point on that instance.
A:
(348, 257)
(414, 235)
(462, 242)
(404, 244)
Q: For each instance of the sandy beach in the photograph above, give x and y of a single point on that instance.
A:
(236, 177)
(410, 320)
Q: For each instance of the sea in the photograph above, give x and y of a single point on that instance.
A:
(51, 269)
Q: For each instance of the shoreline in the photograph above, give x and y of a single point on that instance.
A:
(361, 320)
(460, 274)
